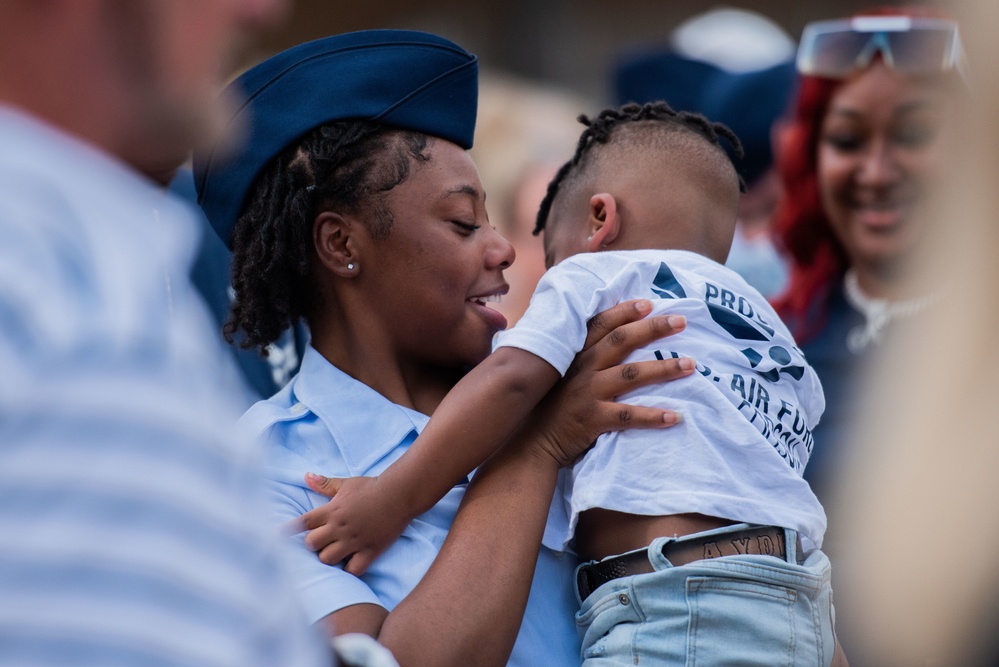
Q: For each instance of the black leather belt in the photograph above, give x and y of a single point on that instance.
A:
(760, 540)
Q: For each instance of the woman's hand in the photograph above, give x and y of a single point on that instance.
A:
(583, 404)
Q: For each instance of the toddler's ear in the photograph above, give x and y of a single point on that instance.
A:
(603, 223)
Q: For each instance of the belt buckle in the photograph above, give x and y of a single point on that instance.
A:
(592, 576)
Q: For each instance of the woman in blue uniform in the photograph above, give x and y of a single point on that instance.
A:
(353, 205)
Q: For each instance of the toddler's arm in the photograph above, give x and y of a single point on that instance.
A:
(475, 418)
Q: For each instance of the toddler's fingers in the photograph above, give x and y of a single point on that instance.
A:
(293, 527)
(334, 552)
(315, 518)
(319, 538)
(328, 486)
(359, 563)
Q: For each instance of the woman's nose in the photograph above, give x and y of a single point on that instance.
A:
(879, 166)
(501, 252)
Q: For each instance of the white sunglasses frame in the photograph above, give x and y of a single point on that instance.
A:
(877, 27)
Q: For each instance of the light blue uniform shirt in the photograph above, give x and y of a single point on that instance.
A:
(326, 422)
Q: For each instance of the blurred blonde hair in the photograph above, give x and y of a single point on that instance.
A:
(525, 131)
(521, 123)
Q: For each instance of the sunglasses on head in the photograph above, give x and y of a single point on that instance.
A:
(835, 49)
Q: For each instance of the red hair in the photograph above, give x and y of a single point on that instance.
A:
(802, 228)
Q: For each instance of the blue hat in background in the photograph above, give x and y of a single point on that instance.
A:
(402, 78)
(747, 102)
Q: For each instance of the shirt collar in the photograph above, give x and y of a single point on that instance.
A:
(366, 425)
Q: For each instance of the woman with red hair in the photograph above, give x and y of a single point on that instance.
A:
(869, 128)
(867, 138)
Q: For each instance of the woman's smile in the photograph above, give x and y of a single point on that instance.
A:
(494, 318)
(881, 213)
(878, 150)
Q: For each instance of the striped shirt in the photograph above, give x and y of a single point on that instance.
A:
(130, 532)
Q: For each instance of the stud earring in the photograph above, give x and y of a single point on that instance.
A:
(350, 267)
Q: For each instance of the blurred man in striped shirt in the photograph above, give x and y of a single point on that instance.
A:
(128, 532)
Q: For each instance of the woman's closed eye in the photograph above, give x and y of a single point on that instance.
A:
(915, 135)
(465, 227)
(844, 141)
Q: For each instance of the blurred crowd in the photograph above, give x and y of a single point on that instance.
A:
(192, 318)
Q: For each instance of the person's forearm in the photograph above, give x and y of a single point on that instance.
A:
(468, 608)
(474, 420)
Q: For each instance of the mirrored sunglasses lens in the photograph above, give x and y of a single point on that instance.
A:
(835, 54)
(921, 51)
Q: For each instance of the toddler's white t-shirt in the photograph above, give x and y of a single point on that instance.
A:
(748, 412)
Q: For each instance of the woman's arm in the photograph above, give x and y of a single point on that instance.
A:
(469, 606)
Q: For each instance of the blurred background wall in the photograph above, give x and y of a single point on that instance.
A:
(542, 63)
(567, 43)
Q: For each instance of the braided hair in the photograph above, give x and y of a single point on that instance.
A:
(347, 165)
(599, 130)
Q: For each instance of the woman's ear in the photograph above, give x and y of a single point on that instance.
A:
(603, 223)
(331, 237)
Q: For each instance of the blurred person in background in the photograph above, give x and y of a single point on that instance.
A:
(871, 127)
(125, 505)
(735, 67)
(920, 508)
(260, 375)
(870, 133)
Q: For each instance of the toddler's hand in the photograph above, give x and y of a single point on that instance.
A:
(360, 521)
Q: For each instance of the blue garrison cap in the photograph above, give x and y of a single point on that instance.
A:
(402, 78)
(747, 102)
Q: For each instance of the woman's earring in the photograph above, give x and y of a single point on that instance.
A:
(350, 267)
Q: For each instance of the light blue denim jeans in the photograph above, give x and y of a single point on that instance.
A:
(734, 610)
